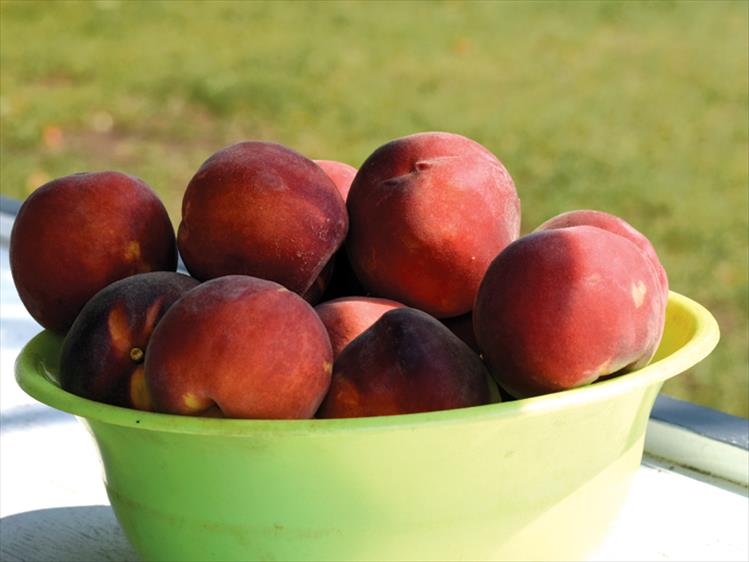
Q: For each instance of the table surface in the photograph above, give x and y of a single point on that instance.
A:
(53, 505)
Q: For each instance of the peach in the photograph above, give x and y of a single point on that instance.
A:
(406, 362)
(240, 346)
(102, 354)
(77, 234)
(560, 308)
(428, 213)
(264, 210)
(347, 317)
(341, 174)
(614, 224)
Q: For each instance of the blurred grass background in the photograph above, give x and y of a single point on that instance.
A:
(639, 109)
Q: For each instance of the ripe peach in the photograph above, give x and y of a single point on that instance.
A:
(347, 317)
(406, 362)
(560, 308)
(261, 209)
(341, 174)
(77, 234)
(614, 224)
(102, 354)
(245, 346)
(428, 214)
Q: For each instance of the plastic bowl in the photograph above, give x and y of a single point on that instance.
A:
(540, 478)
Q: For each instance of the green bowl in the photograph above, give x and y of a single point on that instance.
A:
(540, 478)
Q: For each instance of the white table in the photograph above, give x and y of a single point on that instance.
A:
(53, 506)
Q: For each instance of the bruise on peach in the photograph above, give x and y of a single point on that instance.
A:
(133, 255)
(194, 403)
(122, 331)
(639, 290)
(139, 397)
(118, 324)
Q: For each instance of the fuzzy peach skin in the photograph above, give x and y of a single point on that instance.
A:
(77, 234)
(560, 308)
(428, 213)
(406, 362)
(261, 209)
(102, 354)
(245, 346)
(614, 224)
(341, 174)
(347, 317)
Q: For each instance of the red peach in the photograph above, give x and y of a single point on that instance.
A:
(245, 346)
(77, 234)
(406, 362)
(428, 213)
(261, 209)
(560, 308)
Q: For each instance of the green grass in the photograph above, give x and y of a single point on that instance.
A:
(639, 109)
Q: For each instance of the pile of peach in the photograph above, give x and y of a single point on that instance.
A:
(427, 295)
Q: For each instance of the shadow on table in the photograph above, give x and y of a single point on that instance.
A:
(16, 330)
(87, 533)
(27, 417)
